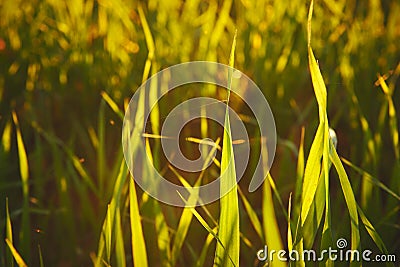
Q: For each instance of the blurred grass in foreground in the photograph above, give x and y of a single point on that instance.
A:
(68, 70)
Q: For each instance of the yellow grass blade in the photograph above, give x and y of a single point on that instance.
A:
(24, 172)
(270, 224)
(16, 255)
(9, 236)
(187, 215)
(252, 215)
(112, 104)
(137, 241)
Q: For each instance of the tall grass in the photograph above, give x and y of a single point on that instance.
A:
(66, 75)
(228, 228)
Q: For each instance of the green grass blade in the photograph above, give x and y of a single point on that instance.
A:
(205, 225)
(311, 174)
(300, 169)
(316, 177)
(71, 156)
(101, 246)
(372, 232)
(100, 146)
(317, 151)
(82, 172)
(181, 232)
(289, 229)
(149, 42)
(350, 201)
(270, 224)
(323, 145)
(106, 234)
(186, 217)
(200, 219)
(101, 133)
(276, 193)
(24, 172)
(163, 235)
(315, 215)
(119, 241)
(252, 215)
(392, 116)
(372, 179)
(326, 240)
(316, 76)
(155, 110)
(202, 258)
(105, 237)
(297, 199)
(138, 245)
(228, 230)
(163, 238)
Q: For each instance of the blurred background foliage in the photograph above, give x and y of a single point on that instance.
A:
(56, 57)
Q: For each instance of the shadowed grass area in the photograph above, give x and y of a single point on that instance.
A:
(68, 70)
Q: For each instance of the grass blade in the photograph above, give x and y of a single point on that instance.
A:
(392, 116)
(252, 215)
(373, 233)
(52, 139)
(271, 229)
(205, 224)
(119, 241)
(228, 230)
(300, 169)
(187, 215)
(138, 245)
(41, 263)
(314, 217)
(112, 105)
(6, 137)
(289, 230)
(317, 151)
(149, 43)
(350, 201)
(163, 238)
(9, 236)
(322, 141)
(100, 146)
(311, 174)
(203, 254)
(16, 255)
(106, 234)
(181, 232)
(372, 179)
(24, 172)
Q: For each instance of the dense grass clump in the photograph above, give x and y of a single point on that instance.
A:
(329, 70)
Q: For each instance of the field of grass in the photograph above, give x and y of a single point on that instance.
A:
(69, 69)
